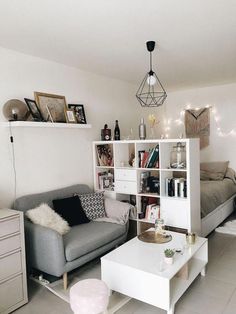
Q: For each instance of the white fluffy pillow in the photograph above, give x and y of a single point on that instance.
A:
(45, 216)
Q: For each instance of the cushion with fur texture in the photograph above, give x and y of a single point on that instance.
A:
(45, 216)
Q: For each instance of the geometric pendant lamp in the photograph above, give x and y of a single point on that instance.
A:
(151, 93)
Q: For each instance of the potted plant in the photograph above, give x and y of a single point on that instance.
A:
(169, 256)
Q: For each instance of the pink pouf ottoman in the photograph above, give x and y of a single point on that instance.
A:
(89, 296)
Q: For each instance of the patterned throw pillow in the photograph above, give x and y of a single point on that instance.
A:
(93, 205)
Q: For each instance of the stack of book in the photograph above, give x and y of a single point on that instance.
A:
(105, 181)
(149, 159)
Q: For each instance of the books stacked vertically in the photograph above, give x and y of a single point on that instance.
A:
(150, 210)
(104, 155)
(149, 159)
(176, 187)
(105, 181)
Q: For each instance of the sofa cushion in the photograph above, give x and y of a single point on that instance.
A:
(71, 210)
(83, 239)
(45, 216)
(93, 205)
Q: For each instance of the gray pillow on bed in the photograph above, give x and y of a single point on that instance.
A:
(230, 174)
(214, 170)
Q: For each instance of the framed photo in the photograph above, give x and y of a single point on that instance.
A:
(152, 212)
(34, 110)
(70, 116)
(79, 112)
(53, 104)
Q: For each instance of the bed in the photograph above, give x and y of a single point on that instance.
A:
(217, 201)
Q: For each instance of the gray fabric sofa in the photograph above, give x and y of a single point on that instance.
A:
(56, 255)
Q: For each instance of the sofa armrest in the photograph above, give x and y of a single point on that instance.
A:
(45, 249)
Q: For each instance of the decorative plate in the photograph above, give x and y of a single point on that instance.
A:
(152, 237)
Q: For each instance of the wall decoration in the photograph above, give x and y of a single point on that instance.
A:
(197, 124)
(55, 104)
(34, 110)
(79, 112)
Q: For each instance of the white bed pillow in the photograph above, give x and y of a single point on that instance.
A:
(45, 216)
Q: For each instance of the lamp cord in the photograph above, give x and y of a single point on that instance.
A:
(13, 162)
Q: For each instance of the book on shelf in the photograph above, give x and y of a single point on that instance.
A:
(104, 155)
(149, 159)
(176, 187)
(140, 158)
(146, 203)
(105, 181)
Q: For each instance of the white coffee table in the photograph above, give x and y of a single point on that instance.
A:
(137, 270)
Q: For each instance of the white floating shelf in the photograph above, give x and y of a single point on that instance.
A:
(26, 124)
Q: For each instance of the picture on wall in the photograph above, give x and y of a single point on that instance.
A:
(197, 124)
(53, 104)
(79, 112)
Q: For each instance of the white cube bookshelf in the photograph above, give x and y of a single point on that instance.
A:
(178, 212)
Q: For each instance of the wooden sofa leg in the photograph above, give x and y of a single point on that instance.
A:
(65, 281)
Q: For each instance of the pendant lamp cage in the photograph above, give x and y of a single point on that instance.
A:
(151, 93)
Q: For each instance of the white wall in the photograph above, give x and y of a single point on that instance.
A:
(222, 98)
(51, 158)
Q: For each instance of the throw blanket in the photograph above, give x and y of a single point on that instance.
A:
(116, 212)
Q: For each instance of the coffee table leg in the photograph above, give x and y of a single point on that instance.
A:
(171, 309)
(203, 272)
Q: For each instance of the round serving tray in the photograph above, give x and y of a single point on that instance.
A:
(152, 237)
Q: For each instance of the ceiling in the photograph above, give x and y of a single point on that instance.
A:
(196, 40)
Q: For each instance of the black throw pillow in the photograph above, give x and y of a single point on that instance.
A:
(71, 210)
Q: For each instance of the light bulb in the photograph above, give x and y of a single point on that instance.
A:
(151, 80)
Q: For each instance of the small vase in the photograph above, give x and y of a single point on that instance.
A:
(142, 130)
(169, 260)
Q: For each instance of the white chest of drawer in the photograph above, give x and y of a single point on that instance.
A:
(125, 175)
(13, 286)
(125, 181)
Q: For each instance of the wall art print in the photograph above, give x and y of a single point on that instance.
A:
(197, 125)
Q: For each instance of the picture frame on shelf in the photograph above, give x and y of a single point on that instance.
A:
(34, 110)
(152, 212)
(70, 116)
(79, 112)
(55, 104)
(104, 155)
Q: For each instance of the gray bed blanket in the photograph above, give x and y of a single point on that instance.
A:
(215, 193)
